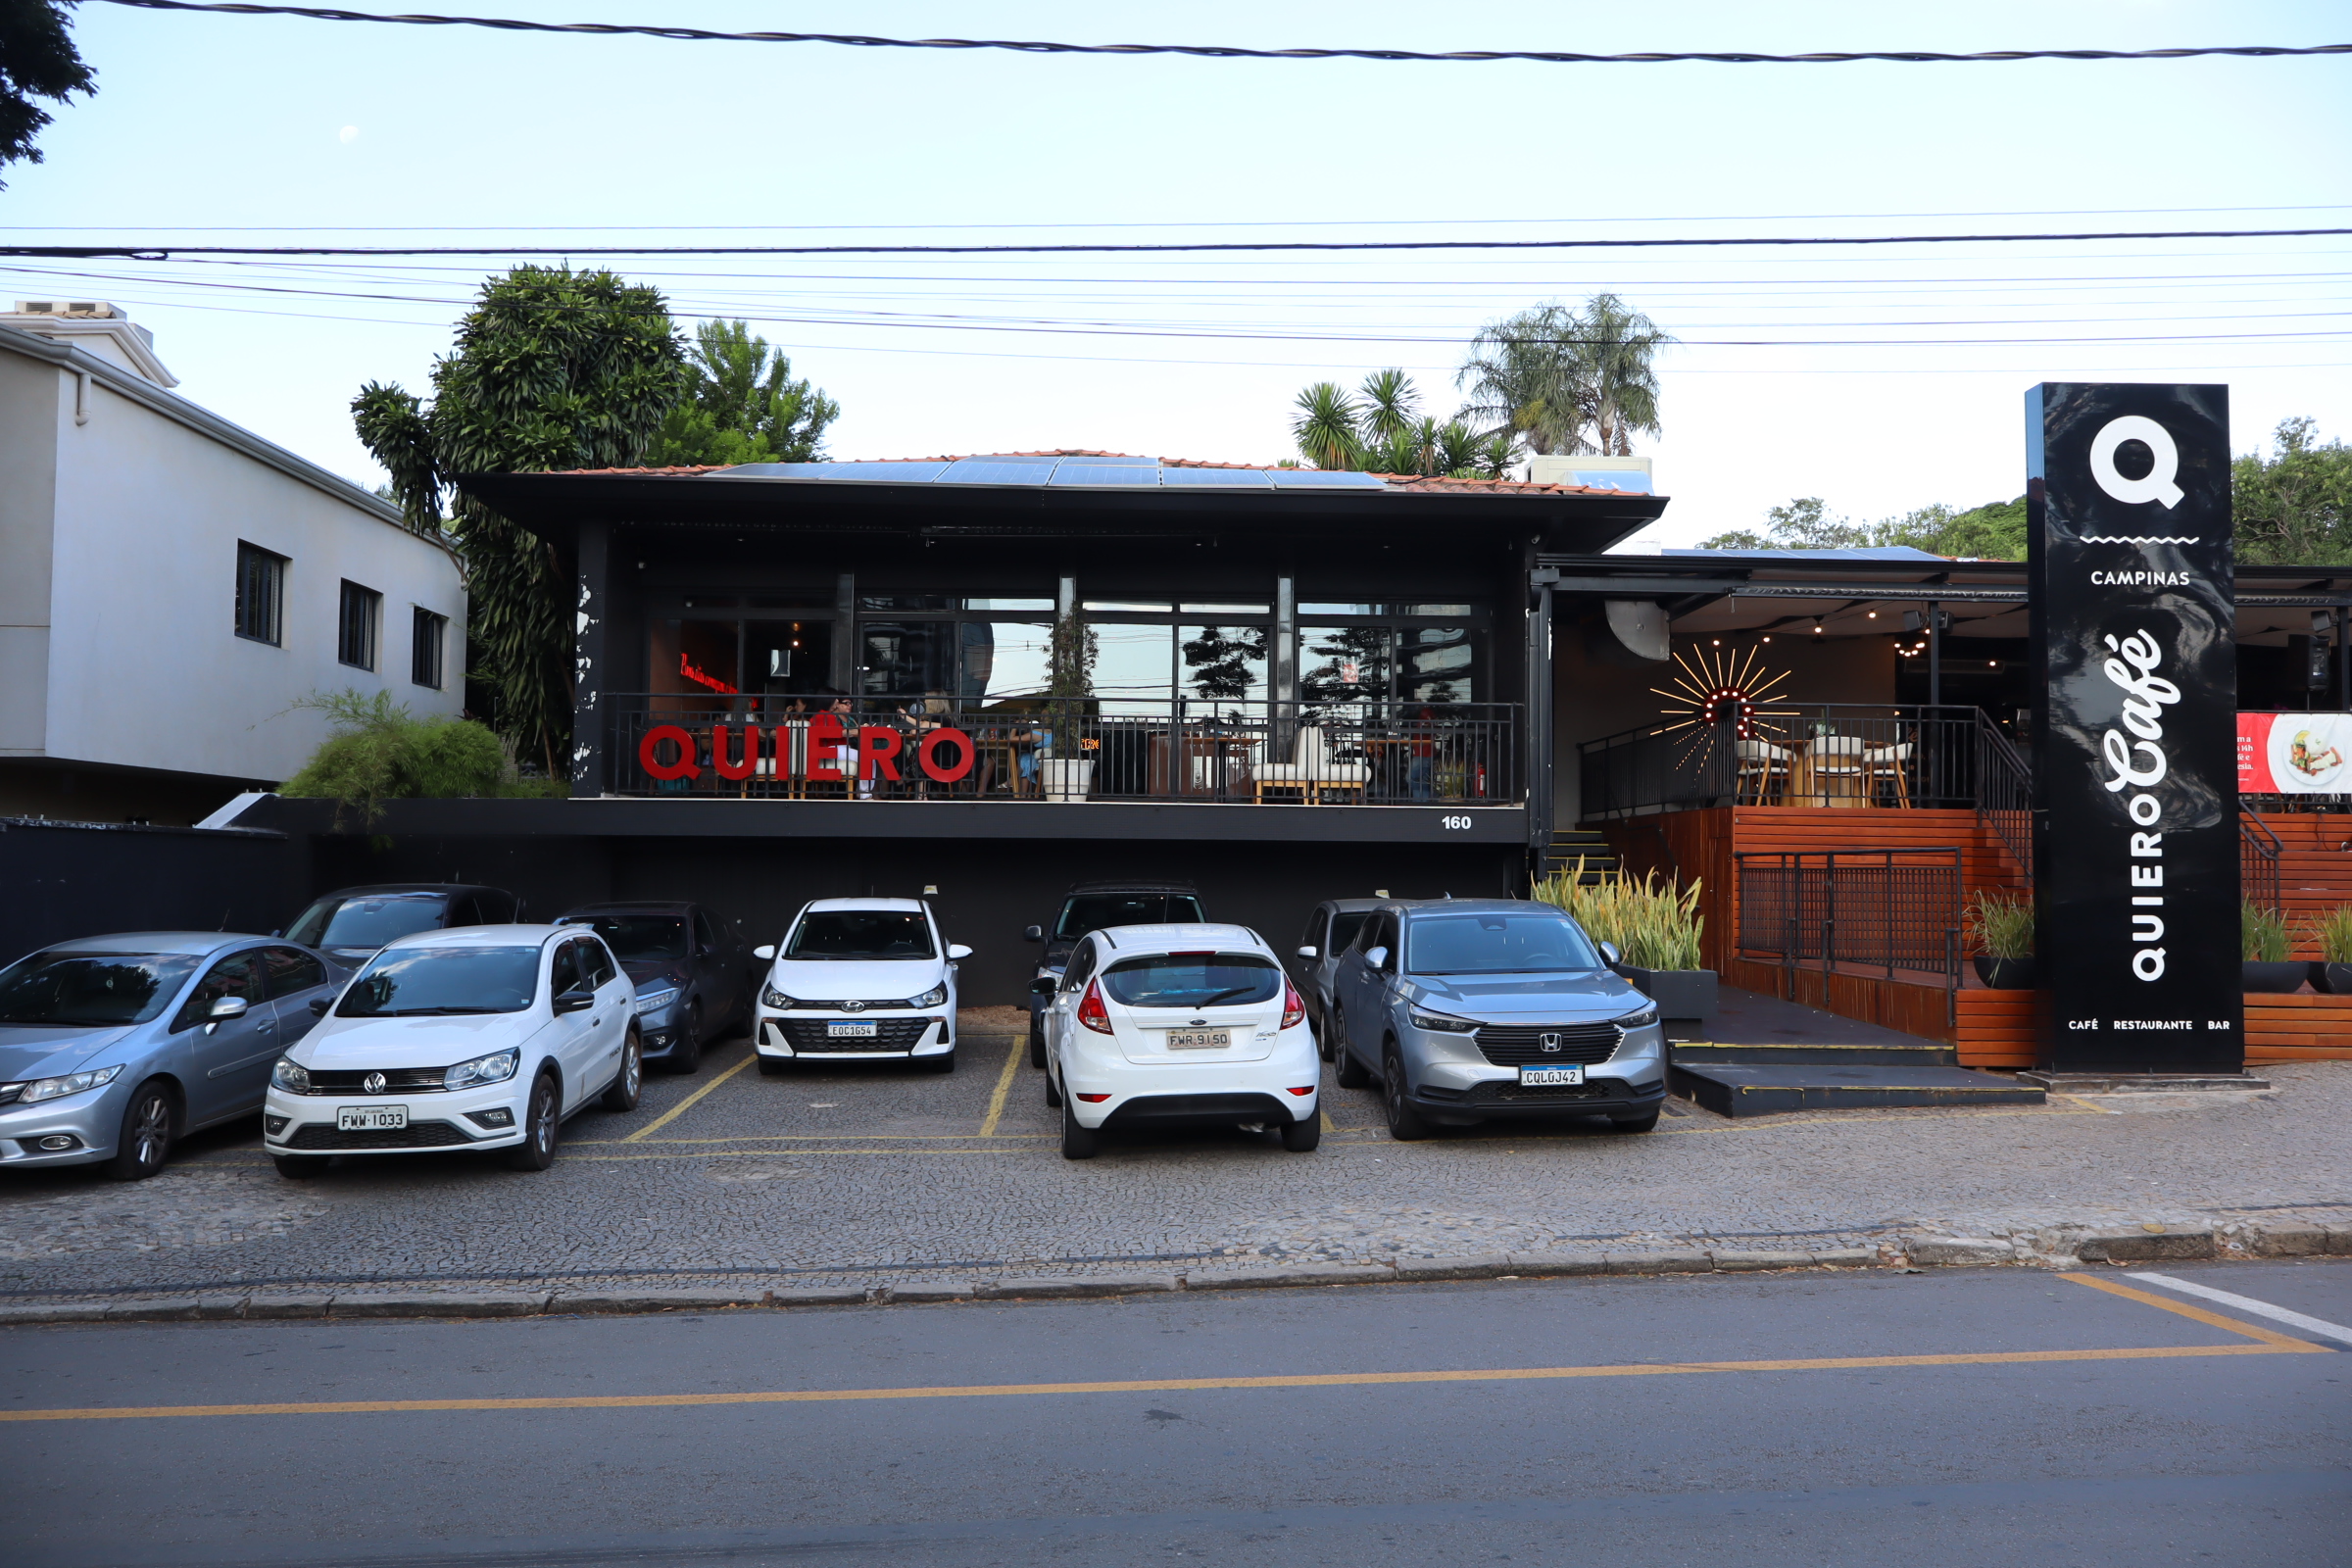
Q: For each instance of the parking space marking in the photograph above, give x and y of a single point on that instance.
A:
(2251, 1330)
(690, 1102)
(798, 1154)
(2247, 1303)
(1310, 1380)
(996, 1102)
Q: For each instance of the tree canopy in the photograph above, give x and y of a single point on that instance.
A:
(1565, 380)
(37, 60)
(1380, 428)
(741, 405)
(1993, 531)
(2295, 506)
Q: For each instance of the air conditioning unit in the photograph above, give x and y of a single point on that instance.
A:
(78, 310)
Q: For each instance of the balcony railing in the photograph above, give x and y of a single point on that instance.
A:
(1822, 755)
(1087, 749)
(1890, 909)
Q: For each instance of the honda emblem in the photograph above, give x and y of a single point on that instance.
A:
(1551, 1042)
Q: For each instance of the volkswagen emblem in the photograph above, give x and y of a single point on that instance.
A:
(1551, 1042)
(853, 1006)
(373, 1083)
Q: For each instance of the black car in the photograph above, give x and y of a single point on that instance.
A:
(692, 975)
(1089, 907)
(350, 924)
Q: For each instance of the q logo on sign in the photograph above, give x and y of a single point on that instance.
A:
(2157, 483)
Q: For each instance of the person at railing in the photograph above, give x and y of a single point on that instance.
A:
(1421, 733)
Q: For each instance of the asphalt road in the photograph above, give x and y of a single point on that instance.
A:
(1978, 1418)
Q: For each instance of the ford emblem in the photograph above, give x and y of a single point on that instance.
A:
(373, 1083)
(1551, 1042)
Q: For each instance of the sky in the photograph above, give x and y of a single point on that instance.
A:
(1880, 379)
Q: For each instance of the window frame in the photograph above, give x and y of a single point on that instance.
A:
(428, 642)
(249, 551)
(370, 624)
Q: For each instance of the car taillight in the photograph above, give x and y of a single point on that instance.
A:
(1303, 1093)
(1093, 1100)
(1089, 1008)
(1294, 1006)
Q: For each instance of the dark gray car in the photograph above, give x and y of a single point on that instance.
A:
(692, 974)
(1316, 963)
(1089, 907)
(1472, 1009)
(352, 924)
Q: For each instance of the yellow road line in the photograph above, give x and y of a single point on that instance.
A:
(689, 1103)
(1323, 1380)
(2279, 1342)
(807, 1137)
(996, 1102)
(1000, 1148)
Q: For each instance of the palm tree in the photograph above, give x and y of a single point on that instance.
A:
(1389, 407)
(1613, 372)
(1324, 427)
(1522, 382)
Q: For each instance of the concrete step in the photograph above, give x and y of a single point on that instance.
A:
(1927, 1053)
(1738, 1089)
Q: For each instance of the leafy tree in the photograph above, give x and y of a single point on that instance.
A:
(1565, 381)
(1324, 427)
(1993, 531)
(1381, 429)
(37, 60)
(743, 405)
(553, 370)
(1614, 377)
(2297, 508)
(377, 751)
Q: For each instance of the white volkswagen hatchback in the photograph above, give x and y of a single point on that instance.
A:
(860, 979)
(1170, 1025)
(486, 1037)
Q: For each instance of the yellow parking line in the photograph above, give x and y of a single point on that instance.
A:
(1323, 1380)
(2279, 1342)
(996, 1102)
(688, 1104)
(809, 1138)
(1000, 1148)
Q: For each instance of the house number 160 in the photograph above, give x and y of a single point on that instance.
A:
(1457, 824)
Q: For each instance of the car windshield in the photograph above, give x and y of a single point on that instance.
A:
(428, 982)
(366, 920)
(1092, 912)
(637, 938)
(1496, 942)
(1343, 928)
(88, 988)
(1191, 980)
(860, 934)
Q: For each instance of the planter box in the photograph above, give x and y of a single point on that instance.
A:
(1683, 996)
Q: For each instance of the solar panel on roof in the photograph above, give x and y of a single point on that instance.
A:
(1323, 480)
(994, 470)
(893, 472)
(1219, 478)
(1096, 474)
(1047, 458)
(1116, 462)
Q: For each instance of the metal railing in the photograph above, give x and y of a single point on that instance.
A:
(2258, 851)
(1818, 755)
(2005, 792)
(1881, 908)
(1191, 750)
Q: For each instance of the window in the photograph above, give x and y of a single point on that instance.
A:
(231, 977)
(291, 970)
(424, 648)
(355, 627)
(565, 975)
(261, 595)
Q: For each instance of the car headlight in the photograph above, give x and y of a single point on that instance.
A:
(770, 997)
(73, 1083)
(656, 1000)
(936, 996)
(1439, 1023)
(290, 1075)
(495, 1068)
(1640, 1021)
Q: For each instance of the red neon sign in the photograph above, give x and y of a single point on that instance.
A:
(687, 670)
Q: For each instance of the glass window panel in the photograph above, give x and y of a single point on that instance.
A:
(906, 602)
(1260, 608)
(1132, 607)
(1344, 663)
(260, 594)
(906, 659)
(356, 625)
(1046, 604)
(1339, 610)
(787, 658)
(1005, 659)
(706, 658)
(1435, 609)
(1224, 663)
(1437, 664)
(1134, 667)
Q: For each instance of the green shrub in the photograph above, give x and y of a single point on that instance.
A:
(2001, 924)
(2262, 933)
(377, 751)
(1654, 925)
(2332, 934)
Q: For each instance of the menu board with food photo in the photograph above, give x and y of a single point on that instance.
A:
(2294, 754)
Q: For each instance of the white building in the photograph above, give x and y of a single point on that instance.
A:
(170, 584)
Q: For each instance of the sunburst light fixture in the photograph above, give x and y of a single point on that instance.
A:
(1715, 686)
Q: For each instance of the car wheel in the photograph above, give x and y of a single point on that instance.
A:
(1636, 1124)
(1077, 1143)
(1351, 1073)
(622, 1095)
(1053, 1090)
(686, 1054)
(1037, 1042)
(1323, 1037)
(944, 1062)
(1404, 1122)
(1302, 1136)
(146, 1140)
(771, 1066)
(301, 1167)
(541, 1126)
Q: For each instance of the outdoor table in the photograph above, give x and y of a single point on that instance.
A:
(1833, 777)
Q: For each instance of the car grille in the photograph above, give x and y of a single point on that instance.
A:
(396, 1080)
(1510, 1093)
(1522, 1044)
(416, 1135)
(807, 1035)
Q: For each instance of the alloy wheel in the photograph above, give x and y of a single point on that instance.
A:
(152, 1136)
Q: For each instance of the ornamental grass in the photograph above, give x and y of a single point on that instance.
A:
(1653, 924)
(2000, 926)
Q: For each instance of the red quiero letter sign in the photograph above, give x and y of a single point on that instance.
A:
(879, 747)
(928, 755)
(825, 747)
(649, 754)
(745, 766)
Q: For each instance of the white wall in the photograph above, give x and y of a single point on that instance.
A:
(145, 667)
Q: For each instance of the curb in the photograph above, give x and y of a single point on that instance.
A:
(2049, 1247)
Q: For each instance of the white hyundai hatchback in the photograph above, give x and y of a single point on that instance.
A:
(486, 1037)
(859, 980)
(1173, 1025)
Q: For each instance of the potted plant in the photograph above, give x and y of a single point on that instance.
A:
(1655, 928)
(2332, 934)
(2002, 926)
(2263, 944)
(1070, 773)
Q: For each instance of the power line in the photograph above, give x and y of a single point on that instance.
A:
(1232, 51)
(165, 252)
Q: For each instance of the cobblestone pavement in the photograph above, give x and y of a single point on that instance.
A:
(863, 1176)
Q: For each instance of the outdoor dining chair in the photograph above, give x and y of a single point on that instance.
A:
(1300, 773)
(1763, 771)
(1887, 763)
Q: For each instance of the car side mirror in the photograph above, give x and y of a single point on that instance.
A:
(1377, 958)
(575, 1001)
(228, 1007)
(279, 932)
(1609, 953)
(1308, 953)
(1033, 933)
(765, 954)
(320, 1004)
(957, 951)
(1045, 985)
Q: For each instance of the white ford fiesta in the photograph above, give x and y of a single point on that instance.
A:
(860, 979)
(1174, 1025)
(485, 1036)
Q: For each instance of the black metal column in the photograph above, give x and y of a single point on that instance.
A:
(590, 665)
(844, 634)
(1934, 654)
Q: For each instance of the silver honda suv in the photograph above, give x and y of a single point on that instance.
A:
(1472, 1009)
